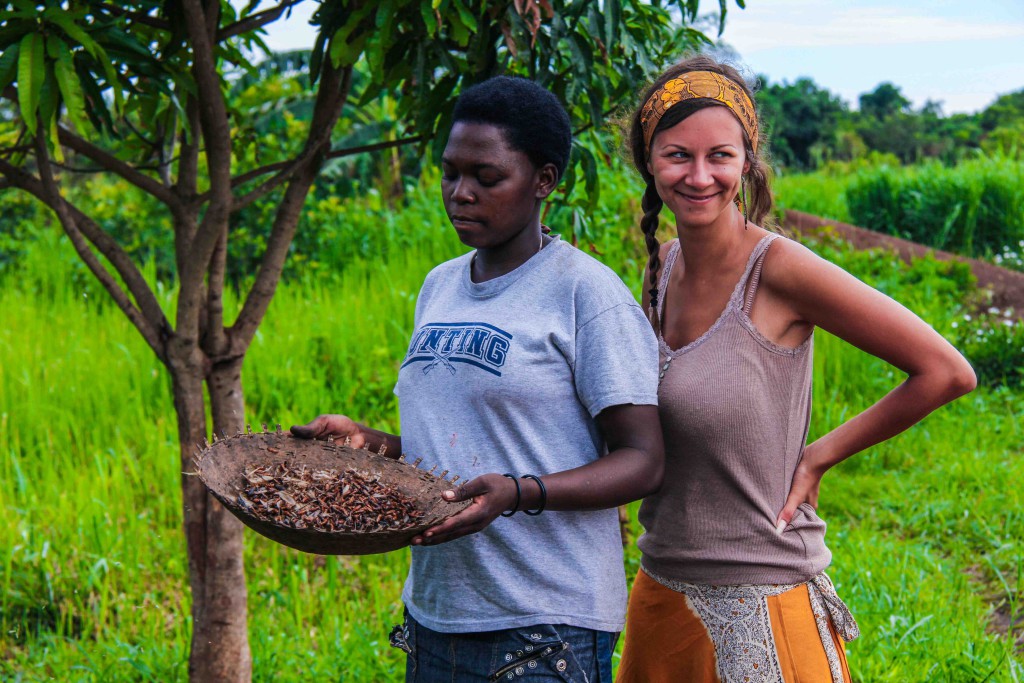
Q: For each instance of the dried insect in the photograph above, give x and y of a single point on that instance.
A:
(326, 500)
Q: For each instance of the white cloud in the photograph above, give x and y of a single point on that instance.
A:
(801, 24)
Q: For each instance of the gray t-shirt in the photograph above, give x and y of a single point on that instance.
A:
(507, 376)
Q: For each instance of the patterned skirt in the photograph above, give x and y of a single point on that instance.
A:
(723, 634)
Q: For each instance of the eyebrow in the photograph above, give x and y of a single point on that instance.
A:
(477, 167)
(682, 147)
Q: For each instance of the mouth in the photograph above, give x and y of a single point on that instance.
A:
(699, 199)
(458, 220)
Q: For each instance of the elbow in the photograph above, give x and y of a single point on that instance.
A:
(960, 378)
(963, 379)
(655, 472)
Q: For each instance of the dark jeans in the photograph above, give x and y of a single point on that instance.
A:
(545, 652)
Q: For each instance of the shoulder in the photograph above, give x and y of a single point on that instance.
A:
(443, 275)
(790, 268)
(590, 280)
(449, 269)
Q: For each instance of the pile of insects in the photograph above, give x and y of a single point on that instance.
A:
(325, 500)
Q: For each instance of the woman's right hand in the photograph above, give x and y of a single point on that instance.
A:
(339, 427)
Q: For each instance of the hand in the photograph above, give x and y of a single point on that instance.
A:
(337, 426)
(492, 494)
(804, 489)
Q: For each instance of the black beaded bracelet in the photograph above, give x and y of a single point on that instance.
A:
(543, 495)
(519, 496)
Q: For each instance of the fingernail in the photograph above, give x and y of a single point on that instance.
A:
(780, 526)
(428, 534)
(449, 494)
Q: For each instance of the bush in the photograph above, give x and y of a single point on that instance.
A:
(994, 344)
(973, 209)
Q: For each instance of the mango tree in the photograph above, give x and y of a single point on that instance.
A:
(138, 89)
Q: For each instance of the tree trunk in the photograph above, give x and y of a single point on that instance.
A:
(220, 646)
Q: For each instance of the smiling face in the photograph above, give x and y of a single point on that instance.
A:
(698, 165)
(492, 192)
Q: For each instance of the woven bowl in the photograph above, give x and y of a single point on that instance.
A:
(222, 467)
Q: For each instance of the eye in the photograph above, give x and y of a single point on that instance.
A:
(487, 180)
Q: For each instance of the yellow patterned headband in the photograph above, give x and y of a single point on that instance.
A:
(699, 85)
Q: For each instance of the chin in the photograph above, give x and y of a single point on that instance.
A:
(471, 238)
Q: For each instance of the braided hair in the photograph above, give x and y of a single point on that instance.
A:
(758, 205)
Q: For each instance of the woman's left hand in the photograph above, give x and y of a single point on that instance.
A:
(804, 489)
(492, 494)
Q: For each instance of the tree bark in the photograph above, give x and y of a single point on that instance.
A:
(220, 647)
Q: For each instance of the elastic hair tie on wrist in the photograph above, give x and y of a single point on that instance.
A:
(519, 496)
(543, 495)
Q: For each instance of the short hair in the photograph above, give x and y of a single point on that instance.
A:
(533, 119)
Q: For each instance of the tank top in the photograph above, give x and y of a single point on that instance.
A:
(735, 410)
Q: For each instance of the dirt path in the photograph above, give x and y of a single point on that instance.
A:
(1006, 286)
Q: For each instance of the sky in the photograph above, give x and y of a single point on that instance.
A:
(962, 53)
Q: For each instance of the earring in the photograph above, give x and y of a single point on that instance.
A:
(743, 200)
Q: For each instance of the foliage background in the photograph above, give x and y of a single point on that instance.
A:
(925, 531)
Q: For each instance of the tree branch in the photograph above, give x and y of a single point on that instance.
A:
(216, 132)
(148, 317)
(290, 164)
(8, 151)
(215, 340)
(138, 17)
(255, 21)
(188, 179)
(335, 85)
(111, 163)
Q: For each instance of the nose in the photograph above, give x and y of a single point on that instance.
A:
(699, 174)
(461, 193)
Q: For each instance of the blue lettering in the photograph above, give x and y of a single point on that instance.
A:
(416, 340)
(433, 336)
(449, 340)
(497, 349)
(476, 345)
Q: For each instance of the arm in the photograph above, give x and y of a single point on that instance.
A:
(819, 293)
(632, 469)
(341, 427)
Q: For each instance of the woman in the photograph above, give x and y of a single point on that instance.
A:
(528, 357)
(732, 584)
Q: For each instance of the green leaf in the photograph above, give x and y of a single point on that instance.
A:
(70, 88)
(74, 32)
(96, 110)
(31, 73)
(13, 31)
(429, 19)
(8, 66)
(348, 41)
(53, 141)
(466, 16)
(612, 20)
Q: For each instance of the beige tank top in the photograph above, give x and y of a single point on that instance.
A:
(735, 409)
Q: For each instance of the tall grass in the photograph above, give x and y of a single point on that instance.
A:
(926, 529)
(975, 208)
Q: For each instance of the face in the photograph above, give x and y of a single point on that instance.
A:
(698, 165)
(492, 192)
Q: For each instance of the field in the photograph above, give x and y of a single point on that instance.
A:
(927, 530)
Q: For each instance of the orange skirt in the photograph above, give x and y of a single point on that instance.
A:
(666, 641)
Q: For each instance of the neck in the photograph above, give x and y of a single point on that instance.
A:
(491, 262)
(710, 247)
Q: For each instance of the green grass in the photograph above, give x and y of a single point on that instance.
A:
(975, 208)
(923, 528)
